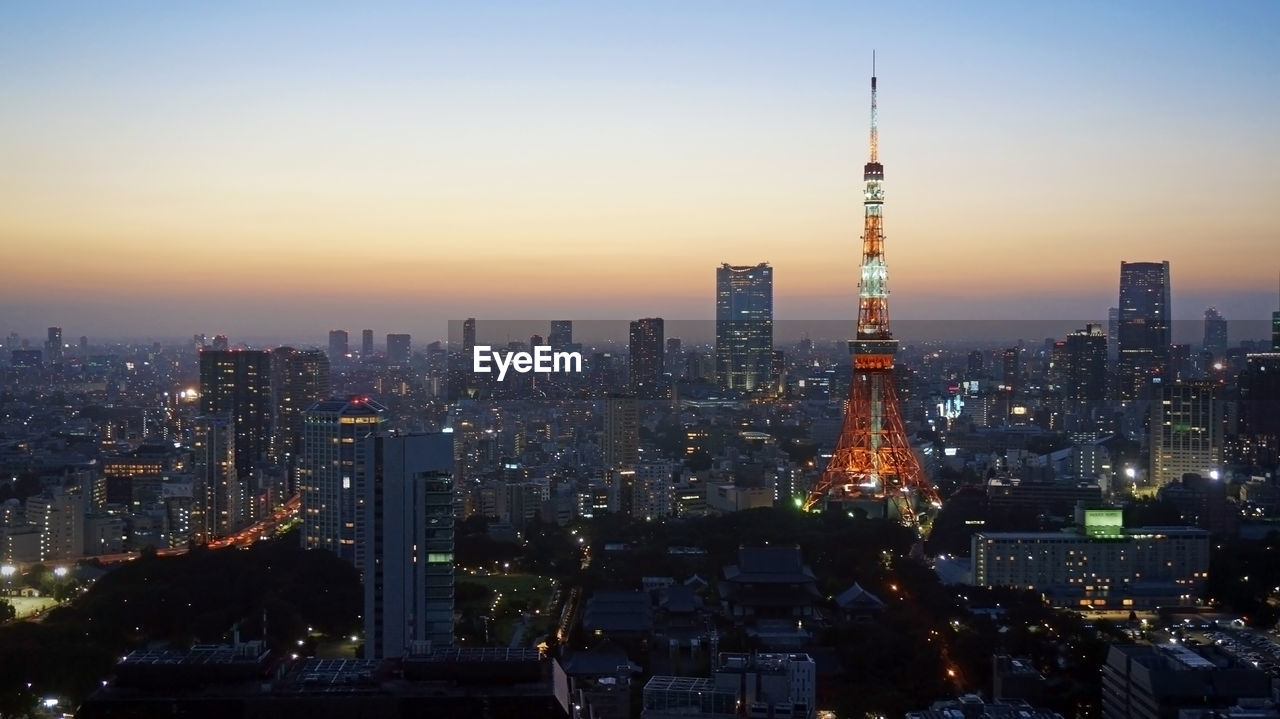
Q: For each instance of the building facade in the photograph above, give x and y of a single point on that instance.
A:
(744, 326)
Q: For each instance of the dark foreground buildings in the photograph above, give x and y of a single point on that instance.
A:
(246, 681)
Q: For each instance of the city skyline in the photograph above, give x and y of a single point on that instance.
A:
(169, 171)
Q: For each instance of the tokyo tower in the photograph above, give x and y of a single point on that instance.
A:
(873, 464)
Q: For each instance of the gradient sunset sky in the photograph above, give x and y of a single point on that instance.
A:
(281, 169)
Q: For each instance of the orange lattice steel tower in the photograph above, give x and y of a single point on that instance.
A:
(873, 461)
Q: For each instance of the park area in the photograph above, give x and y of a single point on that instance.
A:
(25, 607)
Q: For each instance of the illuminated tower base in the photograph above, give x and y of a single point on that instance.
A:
(873, 467)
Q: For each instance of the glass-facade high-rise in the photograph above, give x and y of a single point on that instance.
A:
(744, 326)
(1215, 332)
(1143, 328)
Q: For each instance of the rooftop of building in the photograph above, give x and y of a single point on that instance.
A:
(769, 565)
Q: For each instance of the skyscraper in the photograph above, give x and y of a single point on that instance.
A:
(561, 335)
(744, 326)
(331, 473)
(468, 337)
(647, 358)
(621, 441)
(1186, 430)
(217, 494)
(1215, 332)
(366, 344)
(53, 346)
(338, 348)
(300, 379)
(237, 383)
(1143, 327)
(221, 343)
(408, 569)
(1258, 426)
(1085, 375)
(398, 349)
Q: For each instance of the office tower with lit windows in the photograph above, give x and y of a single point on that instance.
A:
(216, 490)
(1186, 431)
(1143, 328)
(366, 344)
(1215, 332)
(330, 473)
(338, 347)
(744, 326)
(647, 358)
(53, 346)
(561, 335)
(398, 349)
(300, 378)
(408, 518)
(237, 383)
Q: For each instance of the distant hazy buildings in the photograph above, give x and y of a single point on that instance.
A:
(330, 473)
(561, 335)
(1215, 332)
(648, 361)
(398, 349)
(366, 344)
(1143, 327)
(237, 383)
(53, 345)
(744, 326)
(407, 516)
(1186, 431)
(338, 346)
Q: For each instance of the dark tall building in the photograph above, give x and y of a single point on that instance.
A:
(674, 357)
(53, 345)
(338, 348)
(975, 365)
(366, 344)
(237, 383)
(1143, 327)
(744, 326)
(561, 336)
(1011, 369)
(301, 378)
(1258, 425)
(408, 520)
(1215, 332)
(1085, 371)
(221, 343)
(398, 349)
(468, 337)
(647, 358)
